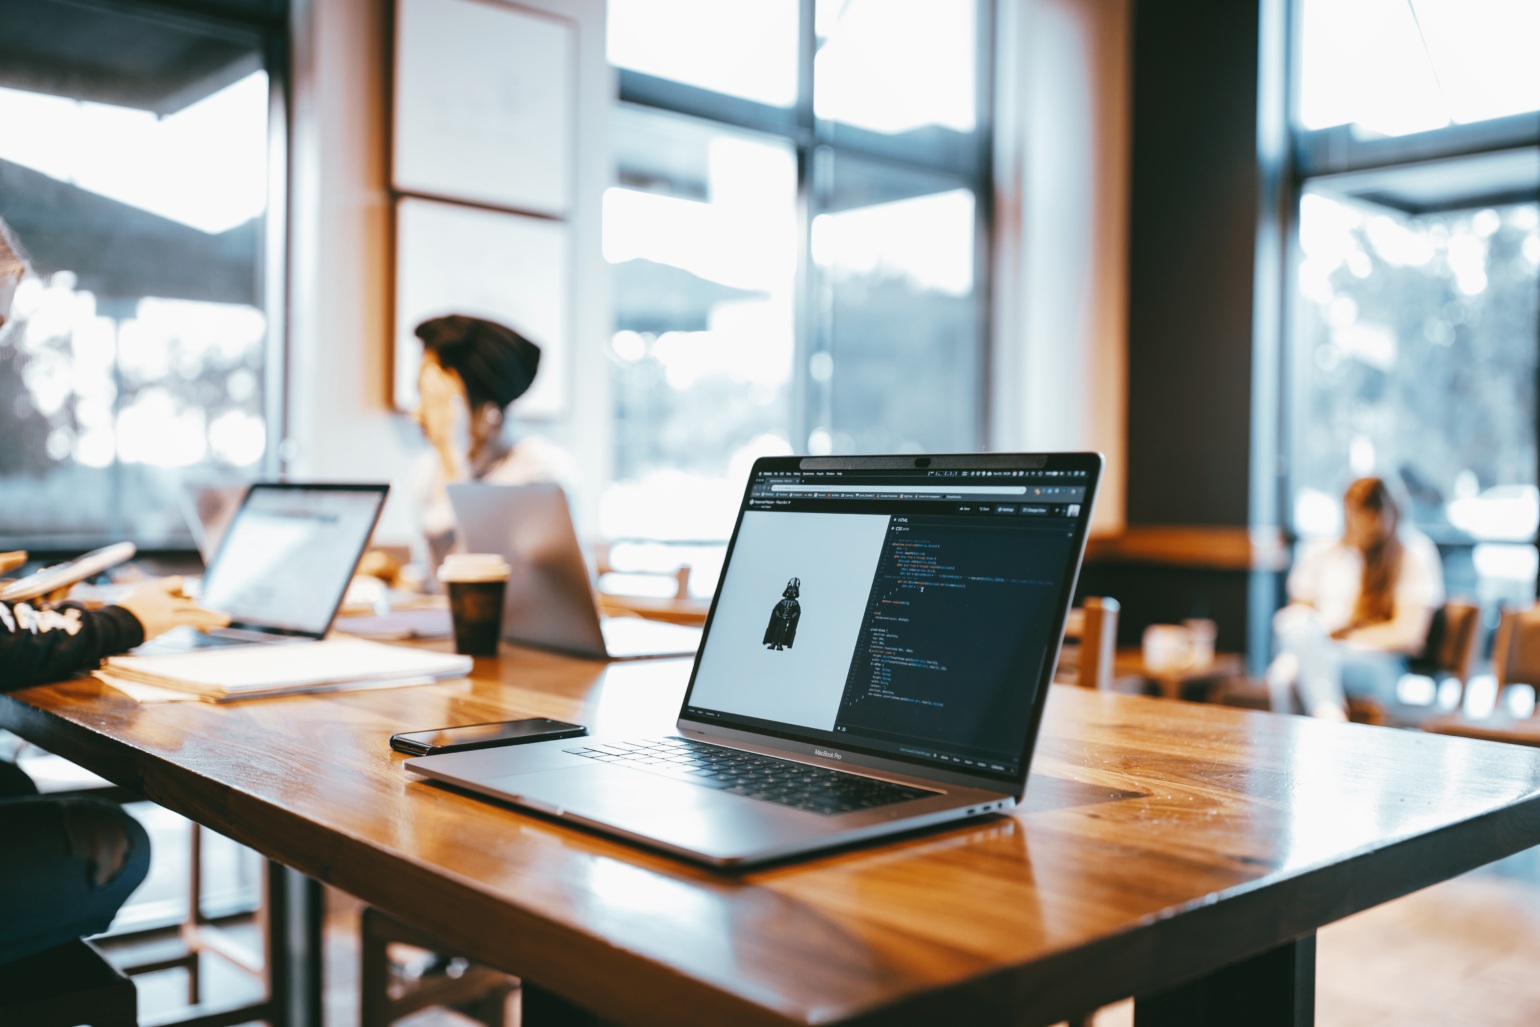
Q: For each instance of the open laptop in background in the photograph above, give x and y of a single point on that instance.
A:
(876, 659)
(208, 510)
(550, 602)
(283, 565)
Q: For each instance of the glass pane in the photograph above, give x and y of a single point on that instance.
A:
(745, 48)
(896, 66)
(894, 362)
(134, 357)
(701, 237)
(1393, 67)
(1415, 359)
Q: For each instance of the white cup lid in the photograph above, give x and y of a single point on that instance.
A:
(473, 567)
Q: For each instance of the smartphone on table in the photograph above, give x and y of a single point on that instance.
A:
(483, 736)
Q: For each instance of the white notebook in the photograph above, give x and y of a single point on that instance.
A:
(240, 672)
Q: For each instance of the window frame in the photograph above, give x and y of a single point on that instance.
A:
(267, 26)
(969, 159)
(1339, 152)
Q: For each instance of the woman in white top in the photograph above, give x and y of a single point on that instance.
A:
(1359, 606)
(471, 371)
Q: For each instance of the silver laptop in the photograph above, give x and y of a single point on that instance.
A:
(283, 565)
(876, 659)
(550, 602)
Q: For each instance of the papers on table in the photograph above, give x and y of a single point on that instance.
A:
(246, 672)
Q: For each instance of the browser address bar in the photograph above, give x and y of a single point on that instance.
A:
(936, 490)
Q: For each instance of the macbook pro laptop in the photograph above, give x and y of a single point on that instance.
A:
(283, 565)
(876, 659)
(550, 602)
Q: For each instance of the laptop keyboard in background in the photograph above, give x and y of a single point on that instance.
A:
(814, 789)
(186, 640)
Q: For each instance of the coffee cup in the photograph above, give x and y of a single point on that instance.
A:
(478, 584)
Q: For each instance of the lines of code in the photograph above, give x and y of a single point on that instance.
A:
(943, 621)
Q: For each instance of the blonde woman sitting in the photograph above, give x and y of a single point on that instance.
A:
(1359, 605)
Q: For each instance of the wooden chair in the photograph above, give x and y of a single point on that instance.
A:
(65, 986)
(1451, 646)
(479, 992)
(1515, 661)
(1516, 649)
(1098, 642)
(1090, 644)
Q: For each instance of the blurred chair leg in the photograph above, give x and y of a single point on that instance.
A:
(374, 973)
(480, 992)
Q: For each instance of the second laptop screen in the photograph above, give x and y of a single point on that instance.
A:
(903, 613)
(288, 556)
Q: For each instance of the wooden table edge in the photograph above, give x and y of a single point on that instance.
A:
(1179, 943)
(1191, 940)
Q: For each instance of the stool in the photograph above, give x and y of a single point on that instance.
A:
(65, 986)
(480, 992)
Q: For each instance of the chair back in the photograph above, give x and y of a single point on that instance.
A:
(1451, 645)
(1098, 642)
(1516, 649)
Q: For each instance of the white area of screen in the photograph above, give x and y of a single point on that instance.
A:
(835, 556)
(288, 557)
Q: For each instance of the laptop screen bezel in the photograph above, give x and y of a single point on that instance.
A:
(383, 490)
(1089, 462)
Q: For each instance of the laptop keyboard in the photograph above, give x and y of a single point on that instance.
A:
(186, 640)
(797, 785)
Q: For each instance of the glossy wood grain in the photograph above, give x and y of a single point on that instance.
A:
(1158, 841)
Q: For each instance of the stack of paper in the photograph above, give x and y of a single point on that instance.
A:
(250, 671)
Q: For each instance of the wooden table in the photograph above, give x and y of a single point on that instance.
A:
(1180, 853)
(1171, 683)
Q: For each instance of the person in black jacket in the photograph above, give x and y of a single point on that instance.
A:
(42, 642)
(68, 863)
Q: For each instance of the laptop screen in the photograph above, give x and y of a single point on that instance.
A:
(908, 614)
(287, 558)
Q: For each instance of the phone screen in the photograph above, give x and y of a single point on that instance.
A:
(477, 736)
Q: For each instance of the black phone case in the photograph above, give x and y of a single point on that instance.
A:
(576, 731)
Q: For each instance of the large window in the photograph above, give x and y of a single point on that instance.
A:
(798, 238)
(134, 168)
(1415, 349)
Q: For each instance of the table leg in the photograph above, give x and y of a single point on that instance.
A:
(296, 907)
(541, 1008)
(1273, 989)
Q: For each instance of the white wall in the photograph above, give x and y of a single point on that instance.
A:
(1062, 147)
(340, 421)
(1059, 350)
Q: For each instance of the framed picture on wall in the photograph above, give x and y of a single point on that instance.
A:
(508, 268)
(484, 104)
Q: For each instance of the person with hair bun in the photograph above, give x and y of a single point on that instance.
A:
(471, 371)
(1359, 605)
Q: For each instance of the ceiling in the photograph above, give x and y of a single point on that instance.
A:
(150, 56)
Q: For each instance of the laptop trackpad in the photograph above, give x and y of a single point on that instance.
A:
(672, 812)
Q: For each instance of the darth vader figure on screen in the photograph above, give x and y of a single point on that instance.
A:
(783, 619)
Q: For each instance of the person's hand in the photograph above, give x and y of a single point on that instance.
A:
(161, 606)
